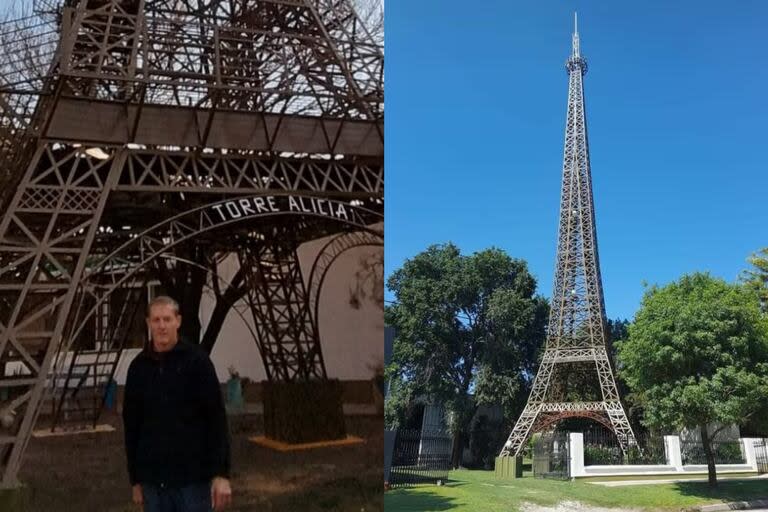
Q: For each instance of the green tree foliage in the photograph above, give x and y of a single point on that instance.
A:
(756, 278)
(618, 330)
(697, 354)
(468, 332)
(398, 402)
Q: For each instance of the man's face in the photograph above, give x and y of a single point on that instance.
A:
(164, 326)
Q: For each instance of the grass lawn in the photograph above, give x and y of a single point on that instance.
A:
(481, 491)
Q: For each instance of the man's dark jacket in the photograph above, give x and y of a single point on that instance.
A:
(175, 423)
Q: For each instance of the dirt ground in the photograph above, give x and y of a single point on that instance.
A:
(86, 472)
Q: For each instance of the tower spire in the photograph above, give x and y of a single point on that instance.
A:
(576, 53)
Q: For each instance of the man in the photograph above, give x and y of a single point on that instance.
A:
(176, 435)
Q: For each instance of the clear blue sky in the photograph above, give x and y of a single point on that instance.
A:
(677, 107)
(677, 112)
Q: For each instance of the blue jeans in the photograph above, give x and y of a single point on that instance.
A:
(190, 498)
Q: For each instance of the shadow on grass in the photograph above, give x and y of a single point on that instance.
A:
(402, 500)
(726, 490)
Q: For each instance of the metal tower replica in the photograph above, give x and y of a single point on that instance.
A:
(163, 128)
(577, 330)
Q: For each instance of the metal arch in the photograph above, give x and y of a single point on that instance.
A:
(548, 420)
(163, 236)
(193, 222)
(327, 255)
(577, 330)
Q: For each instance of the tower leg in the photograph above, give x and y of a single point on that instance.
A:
(613, 407)
(45, 239)
(522, 431)
(300, 403)
(524, 424)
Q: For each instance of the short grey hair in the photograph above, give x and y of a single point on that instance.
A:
(163, 300)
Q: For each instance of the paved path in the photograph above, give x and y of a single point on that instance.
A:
(574, 506)
(622, 483)
(754, 506)
(571, 506)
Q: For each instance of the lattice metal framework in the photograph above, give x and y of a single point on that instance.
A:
(577, 330)
(84, 373)
(149, 114)
(280, 307)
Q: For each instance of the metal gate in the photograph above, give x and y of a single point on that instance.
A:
(420, 457)
(551, 456)
(761, 453)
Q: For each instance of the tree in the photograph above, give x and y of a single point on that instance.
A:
(697, 354)
(756, 278)
(618, 330)
(28, 46)
(465, 324)
(369, 281)
(398, 403)
(29, 41)
(185, 274)
(371, 15)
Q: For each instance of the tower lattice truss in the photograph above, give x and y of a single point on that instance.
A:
(575, 377)
(133, 128)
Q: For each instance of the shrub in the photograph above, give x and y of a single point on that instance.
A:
(599, 455)
(728, 453)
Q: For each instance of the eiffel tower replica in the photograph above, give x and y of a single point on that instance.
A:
(577, 330)
(236, 127)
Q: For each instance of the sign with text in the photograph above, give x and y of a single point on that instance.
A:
(254, 206)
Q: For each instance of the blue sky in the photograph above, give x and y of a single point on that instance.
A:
(677, 107)
(677, 112)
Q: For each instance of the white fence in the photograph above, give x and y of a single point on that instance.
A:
(673, 468)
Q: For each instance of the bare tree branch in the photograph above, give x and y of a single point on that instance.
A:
(371, 14)
(369, 281)
(28, 41)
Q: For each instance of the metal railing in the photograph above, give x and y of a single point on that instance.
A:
(420, 457)
(551, 456)
(761, 455)
(602, 448)
(725, 452)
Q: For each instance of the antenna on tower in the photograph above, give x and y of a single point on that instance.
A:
(576, 35)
